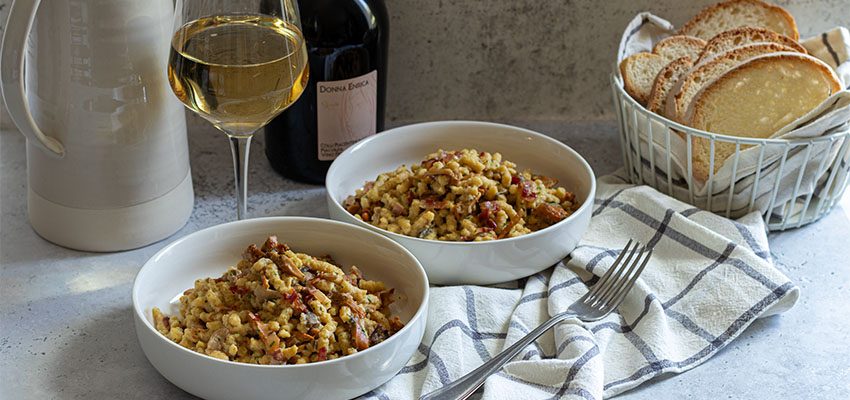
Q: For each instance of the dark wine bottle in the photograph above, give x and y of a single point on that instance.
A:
(345, 98)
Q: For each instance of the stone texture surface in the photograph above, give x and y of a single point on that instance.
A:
(66, 327)
(544, 60)
(528, 59)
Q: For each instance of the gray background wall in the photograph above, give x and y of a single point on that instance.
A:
(528, 59)
(523, 59)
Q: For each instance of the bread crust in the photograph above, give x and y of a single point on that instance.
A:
(632, 87)
(663, 82)
(679, 40)
(761, 35)
(707, 12)
(701, 153)
(693, 116)
(680, 95)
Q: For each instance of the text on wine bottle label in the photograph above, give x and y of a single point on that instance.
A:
(346, 111)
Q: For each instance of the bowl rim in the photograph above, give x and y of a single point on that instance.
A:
(417, 316)
(588, 203)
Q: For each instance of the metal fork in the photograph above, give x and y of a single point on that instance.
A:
(596, 304)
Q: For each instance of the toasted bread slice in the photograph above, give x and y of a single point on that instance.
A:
(639, 71)
(684, 90)
(679, 46)
(735, 13)
(744, 35)
(756, 99)
(665, 80)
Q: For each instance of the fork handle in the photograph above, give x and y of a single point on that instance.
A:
(466, 385)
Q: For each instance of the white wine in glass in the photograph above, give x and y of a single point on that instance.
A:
(237, 64)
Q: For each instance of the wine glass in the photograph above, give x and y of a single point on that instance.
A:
(238, 64)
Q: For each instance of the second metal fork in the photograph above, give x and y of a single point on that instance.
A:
(596, 304)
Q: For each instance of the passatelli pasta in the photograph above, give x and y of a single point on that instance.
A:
(280, 307)
(461, 195)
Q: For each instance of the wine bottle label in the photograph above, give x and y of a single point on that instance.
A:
(346, 112)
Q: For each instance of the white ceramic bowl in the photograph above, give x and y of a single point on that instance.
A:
(471, 262)
(209, 252)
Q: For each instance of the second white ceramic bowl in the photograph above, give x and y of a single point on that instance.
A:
(471, 262)
(209, 252)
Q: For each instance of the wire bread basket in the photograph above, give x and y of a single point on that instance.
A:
(790, 182)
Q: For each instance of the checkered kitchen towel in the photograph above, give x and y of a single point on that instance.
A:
(709, 278)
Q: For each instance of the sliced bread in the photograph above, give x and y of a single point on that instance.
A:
(665, 80)
(735, 13)
(679, 46)
(744, 35)
(688, 86)
(756, 99)
(638, 72)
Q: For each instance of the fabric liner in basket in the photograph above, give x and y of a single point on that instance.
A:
(813, 141)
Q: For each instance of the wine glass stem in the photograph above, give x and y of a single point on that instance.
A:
(240, 146)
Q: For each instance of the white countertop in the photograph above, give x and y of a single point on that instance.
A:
(66, 328)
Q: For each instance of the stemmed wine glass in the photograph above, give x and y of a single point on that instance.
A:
(238, 64)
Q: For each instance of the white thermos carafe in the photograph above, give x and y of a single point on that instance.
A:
(107, 156)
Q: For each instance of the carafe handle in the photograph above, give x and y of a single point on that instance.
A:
(21, 17)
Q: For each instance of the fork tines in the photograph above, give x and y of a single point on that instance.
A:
(620, 277)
